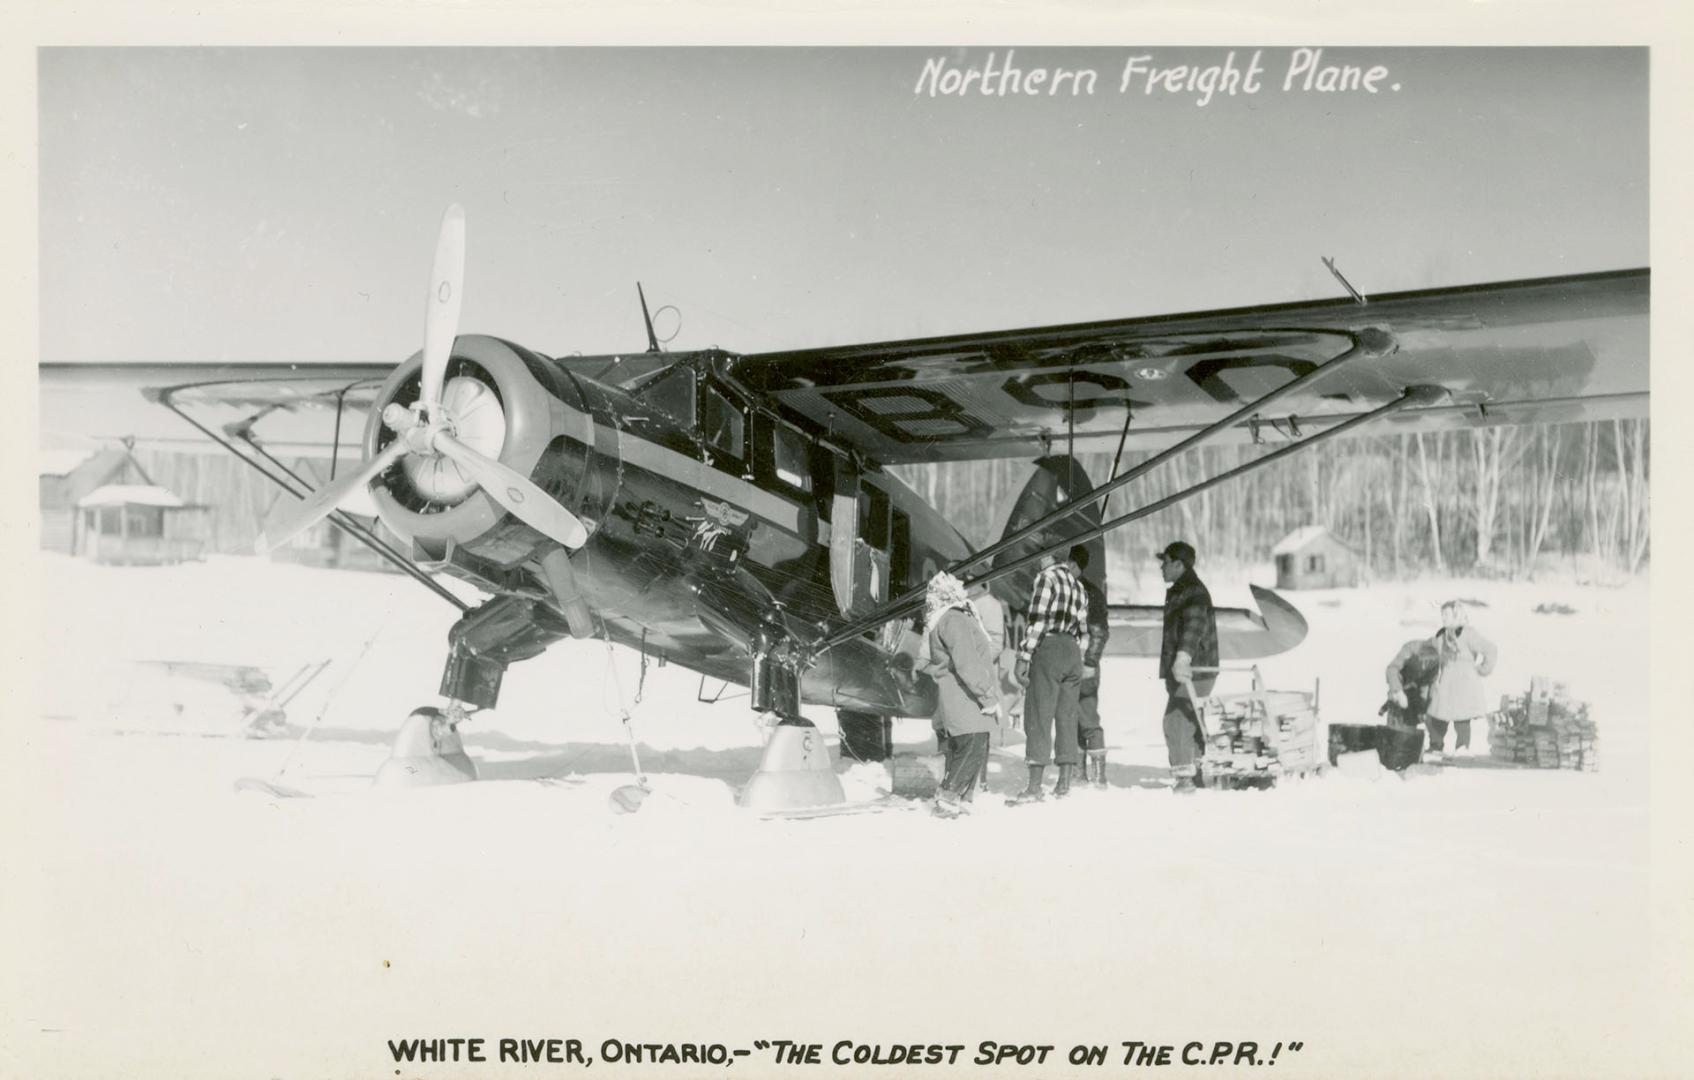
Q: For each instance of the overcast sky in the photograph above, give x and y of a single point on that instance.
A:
(281, 204)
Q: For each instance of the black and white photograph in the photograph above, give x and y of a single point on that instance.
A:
(781, 560)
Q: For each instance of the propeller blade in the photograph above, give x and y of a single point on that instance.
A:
(516, 493)
(324, 501)
(441, 315)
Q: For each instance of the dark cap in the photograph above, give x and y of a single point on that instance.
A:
(1180, 552)
(1079, 555)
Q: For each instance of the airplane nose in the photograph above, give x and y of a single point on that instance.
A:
(478, 419)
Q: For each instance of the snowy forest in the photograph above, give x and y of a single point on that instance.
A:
(1491, 501)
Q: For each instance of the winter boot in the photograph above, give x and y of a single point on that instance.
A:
(1185, 784)
(948, 805)
(1033, 792)
(1063, 787)
(1097, 768)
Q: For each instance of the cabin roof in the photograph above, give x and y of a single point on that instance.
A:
(1307, 535)
(130, 495)
(1298, 539)
(61, 462)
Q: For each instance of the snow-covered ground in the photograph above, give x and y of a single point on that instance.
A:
(1483, 920)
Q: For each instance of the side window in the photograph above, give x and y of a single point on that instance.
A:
(791, 456)
(823, 481)
(900, 553)
(873, 517)
(722, 424)
(673, 394)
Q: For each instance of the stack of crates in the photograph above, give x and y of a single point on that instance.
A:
(1252, 739)
(1545, 728)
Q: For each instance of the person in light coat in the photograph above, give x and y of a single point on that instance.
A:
(961, 661)
(1457, 697)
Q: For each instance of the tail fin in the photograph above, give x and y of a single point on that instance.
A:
(1243, 634)
(1058, 479)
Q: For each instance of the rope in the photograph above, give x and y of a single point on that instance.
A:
(329, 699)
(623, 712)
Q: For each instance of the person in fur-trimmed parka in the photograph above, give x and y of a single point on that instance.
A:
(961, 660)
(1466, 659)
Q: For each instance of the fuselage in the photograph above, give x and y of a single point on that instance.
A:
(713, 517)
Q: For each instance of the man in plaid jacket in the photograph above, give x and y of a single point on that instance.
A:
(1050, 665)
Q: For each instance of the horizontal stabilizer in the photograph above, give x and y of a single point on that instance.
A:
(1242, 634)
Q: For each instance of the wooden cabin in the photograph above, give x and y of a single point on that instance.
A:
(1313, 558)
(139, 525)
(66, 477)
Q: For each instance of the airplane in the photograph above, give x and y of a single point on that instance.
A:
(734, 513)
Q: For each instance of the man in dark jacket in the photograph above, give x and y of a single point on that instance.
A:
(1090, 734)
(1190, 641)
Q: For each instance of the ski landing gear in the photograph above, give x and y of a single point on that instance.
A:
(795, 772)
(428, 751)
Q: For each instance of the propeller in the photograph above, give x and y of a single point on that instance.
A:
(322, 502)
(441, 313)
(516, 492)
(429, 428)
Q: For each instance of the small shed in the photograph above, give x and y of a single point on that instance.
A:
(1312, 558)
(139, 525)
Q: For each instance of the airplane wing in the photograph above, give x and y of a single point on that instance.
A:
(295, 404)
(1551, 349)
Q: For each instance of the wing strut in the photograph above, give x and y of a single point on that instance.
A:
(905, 605)
(341, 520)
(1368, 342)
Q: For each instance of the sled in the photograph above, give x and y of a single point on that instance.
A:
(1257, 738)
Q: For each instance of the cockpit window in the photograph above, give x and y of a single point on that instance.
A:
(672, 393)
(722, 424)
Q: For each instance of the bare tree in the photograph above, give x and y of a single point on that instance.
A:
(1430, 476)
(1495, 451)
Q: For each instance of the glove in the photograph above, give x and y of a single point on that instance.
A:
(1399, 698)
(1090, 680)
(1182, 668)
(1021, 672)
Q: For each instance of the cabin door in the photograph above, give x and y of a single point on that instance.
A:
(859, 541)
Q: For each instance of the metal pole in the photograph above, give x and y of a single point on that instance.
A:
(1123, 437)
(335, 440)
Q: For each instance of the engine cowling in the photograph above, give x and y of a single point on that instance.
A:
(542, 429)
